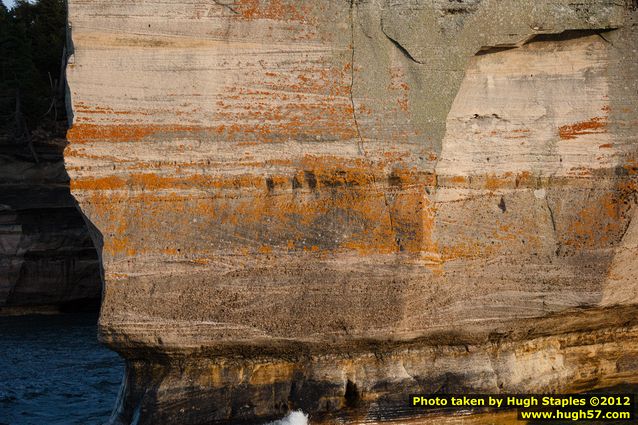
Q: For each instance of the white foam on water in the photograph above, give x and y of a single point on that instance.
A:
(294, 418)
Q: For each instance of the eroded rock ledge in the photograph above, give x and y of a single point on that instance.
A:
(305, 204)
(370, 382)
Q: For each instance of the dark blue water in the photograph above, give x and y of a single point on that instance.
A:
(53, 371)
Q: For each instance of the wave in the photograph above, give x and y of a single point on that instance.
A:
(293, 418)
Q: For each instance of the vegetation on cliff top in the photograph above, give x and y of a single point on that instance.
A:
(32, 55)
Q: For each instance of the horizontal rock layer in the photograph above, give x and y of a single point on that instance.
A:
(373, 384)
(276, 181)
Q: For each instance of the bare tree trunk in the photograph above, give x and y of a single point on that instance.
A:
(62, 77)
(22, 129)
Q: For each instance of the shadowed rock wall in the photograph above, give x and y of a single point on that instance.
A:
(47, 258)
(402, 195)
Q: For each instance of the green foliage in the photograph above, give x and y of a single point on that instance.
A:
(32, 39)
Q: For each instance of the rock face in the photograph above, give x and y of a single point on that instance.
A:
(330, 205)
(47, 258)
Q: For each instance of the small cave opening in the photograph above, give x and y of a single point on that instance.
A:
(352, 396)
(569, 35)
(545, 37)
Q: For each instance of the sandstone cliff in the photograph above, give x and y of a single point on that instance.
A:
(328, 205)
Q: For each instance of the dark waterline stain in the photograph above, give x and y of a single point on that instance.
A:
(53, 371)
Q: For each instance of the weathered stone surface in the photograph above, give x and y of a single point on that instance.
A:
(47, 259)
(403, 195)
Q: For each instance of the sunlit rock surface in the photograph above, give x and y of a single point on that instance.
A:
(328, 205)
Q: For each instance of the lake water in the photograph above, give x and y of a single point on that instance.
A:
(54, 372)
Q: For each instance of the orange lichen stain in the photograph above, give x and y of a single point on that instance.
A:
(524, 179)
(631, 167)
(98, 110)
(118, 246)
(596, 125)
(80, 153)
(519, 133)
(600, 221)
(413, 220)
(271, 9)
(363, 109)
(330, 81)
(152, 182)
(394, 156)
(494, 182)
(580, 172)
(288, 106)
(265, 249)
(400, 86)
(84, 133)
(303, 120)
(98, 183)
(327, 171)
(379, 213)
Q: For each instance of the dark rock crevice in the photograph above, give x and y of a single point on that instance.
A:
(353, 4)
